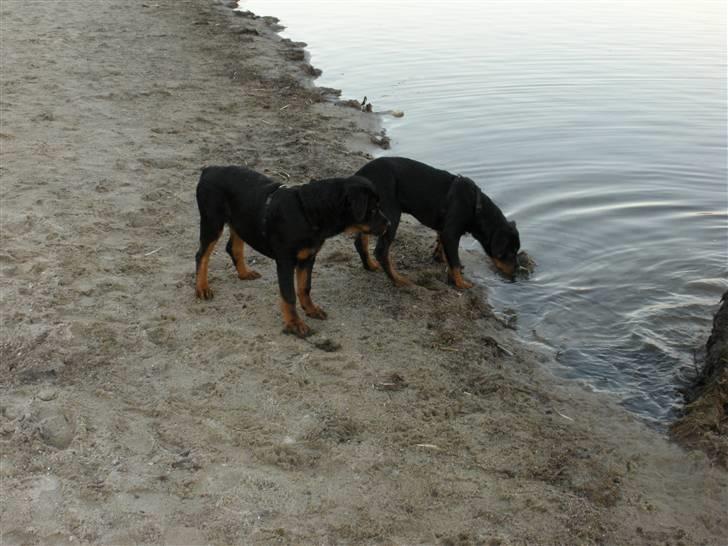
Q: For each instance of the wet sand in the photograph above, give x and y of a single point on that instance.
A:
(134, 414)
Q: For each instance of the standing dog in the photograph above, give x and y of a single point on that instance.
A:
(288, 224)
(450, 204)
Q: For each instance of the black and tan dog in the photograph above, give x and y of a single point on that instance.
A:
(288, 224)
(450, 204)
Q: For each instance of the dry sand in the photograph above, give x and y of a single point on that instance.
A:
(134, 414)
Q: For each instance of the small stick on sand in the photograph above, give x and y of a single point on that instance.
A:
(564, 416)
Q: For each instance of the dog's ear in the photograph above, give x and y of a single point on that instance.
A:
(505, 240)
(512, 224)
(499, 243)
(357, 198)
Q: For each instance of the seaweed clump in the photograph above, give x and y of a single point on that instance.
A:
(704, 424)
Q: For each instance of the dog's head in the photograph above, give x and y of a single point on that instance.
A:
(496, 234)
(504, 246)
(362, 213)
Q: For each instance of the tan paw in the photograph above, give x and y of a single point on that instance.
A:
(248, 275)
(461, 283)
(297, 328)
(316, 312)
(204, 293)
(373, 265)
(401, 282)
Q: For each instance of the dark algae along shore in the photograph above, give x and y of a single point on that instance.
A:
(131, 413)
(704, 423)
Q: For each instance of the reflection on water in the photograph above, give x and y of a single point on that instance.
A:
(599, 126)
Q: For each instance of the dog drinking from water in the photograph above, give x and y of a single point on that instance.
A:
(450, 204)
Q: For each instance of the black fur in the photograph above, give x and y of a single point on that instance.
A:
(288, 224)
(451, 205)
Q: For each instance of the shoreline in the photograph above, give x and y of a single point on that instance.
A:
(646, 375)
(132, 413)
(370, 122)
(702, 424)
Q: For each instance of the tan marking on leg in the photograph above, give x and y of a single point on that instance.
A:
(305, 253)
(239, 255)
(202, 287)
(358, 228)
(439, 252)
(398, 280)
(456, 276)
(292, 324)
(372, 264)
(312, 310)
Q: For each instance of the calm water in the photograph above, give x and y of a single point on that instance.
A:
(599, 126)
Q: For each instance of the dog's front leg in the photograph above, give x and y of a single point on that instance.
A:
(450, 244)
(292, 324)
(304, 268)
(361, 243)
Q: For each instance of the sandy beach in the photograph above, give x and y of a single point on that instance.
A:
(132, 413)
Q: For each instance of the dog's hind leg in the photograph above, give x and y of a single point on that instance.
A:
(361, 243)
(236, 249)
(439, 253)
(209, 234)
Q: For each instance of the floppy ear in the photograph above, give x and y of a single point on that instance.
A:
(357, 199)
(498, 243)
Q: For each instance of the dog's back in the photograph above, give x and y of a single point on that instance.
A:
(232, 189)
(409, 186)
